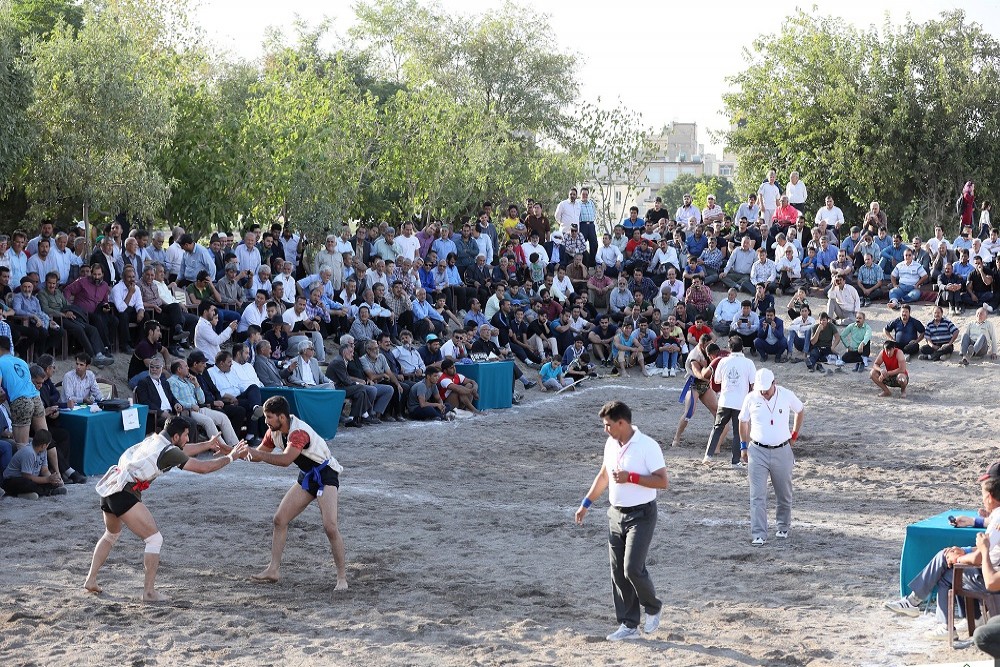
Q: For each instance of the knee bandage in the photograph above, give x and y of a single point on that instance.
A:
(110, 538)
(153, 543)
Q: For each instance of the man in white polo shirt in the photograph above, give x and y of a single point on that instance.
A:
(766, 444)
(735, 375)
(632, 470)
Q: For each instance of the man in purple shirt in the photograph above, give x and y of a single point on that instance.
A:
(90, 294)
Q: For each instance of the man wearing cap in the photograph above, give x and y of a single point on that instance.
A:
(633, 471)
(938, 573)
(766, 448)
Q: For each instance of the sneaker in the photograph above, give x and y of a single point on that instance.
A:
(738, 465)
(796, 360)
(28, 496)
(706, 459)
(529, 384)
(924, 357)
(858, 367)
(59, 491)
(988, 307)
(763, 358)
(781, 534)
(666, 373)
(258, 412)
(903, 606)
(652, 623)
(646, 372)
(623, 632)
(758, 541)
(819, 368)
(673, 372)
(939, 632)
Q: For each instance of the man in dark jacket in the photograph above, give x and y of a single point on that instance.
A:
(154, 392)
(198, 364)
(361, 395)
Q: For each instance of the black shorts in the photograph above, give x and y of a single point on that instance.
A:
(119, 503)
(330, 478)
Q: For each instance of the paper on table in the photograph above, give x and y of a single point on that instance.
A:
(130, 419)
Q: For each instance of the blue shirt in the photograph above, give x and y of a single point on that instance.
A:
(696, 246)
(904, 333)
(199, 259)
(588, 212)
(16, 378)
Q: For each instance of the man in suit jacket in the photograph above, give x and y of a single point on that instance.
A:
(361, 395)
(267, 370)
(154, 392)
(305, 369)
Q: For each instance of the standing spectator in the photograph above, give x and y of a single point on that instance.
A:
(768, 194)
(735, 375)
(796, 191)
(568, 212)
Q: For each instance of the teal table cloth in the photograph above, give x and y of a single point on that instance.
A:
(495, 380)
(927, 537)
(97, 439)
(320, 408)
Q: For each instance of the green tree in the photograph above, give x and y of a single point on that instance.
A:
(699, 187)
(40, 17)
(618, 148)
(101, 118)
(896, 115)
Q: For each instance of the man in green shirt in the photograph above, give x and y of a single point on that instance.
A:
(857, 338)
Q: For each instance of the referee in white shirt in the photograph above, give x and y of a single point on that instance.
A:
(633, 469)
(767, 443)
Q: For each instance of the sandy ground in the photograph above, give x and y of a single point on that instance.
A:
(462, 550)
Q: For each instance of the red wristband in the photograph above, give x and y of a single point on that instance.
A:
(795, 436)
(633, 478)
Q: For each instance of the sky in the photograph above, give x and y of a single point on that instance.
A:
(666, 59)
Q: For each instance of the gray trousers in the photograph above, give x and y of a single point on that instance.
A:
(776, 464)
(629, 536)
(740, 281)
(979, 346)
(987, 638)
(722, 416)
(937, 574)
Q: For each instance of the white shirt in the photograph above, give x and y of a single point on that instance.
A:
(932, 245)
(767, 195)
(164, 403)
(735, 375)
(248, 258)
(608, 255)
(848, 297)
(251, 315)
(290, 317)
(564, 285)
(802, 328)
(796, 192)
(409, 245)
(685, 213)
(908, 274)
(291, 247)
(727, 310)
(833, 217)
(567, 213)
(793, 264)
(530, 248)
(676, 288)
(246, 374)
(209, 342)
(118, 293)
(769, 418)
(175, 255)
(642, 455)
(664, 256)
(226, 383)
(288, 296)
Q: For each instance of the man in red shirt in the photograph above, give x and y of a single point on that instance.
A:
(786, 214)
(696, 330)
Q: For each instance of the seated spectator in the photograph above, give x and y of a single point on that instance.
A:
(205, 337)
(951, 290)
(191, 397)
(380, 394)
(857, 340)
(303, 327)
(425, 400)
(763, 272)
(979, 286)
(699, 300)
(788, 269)
(938, 573)
(59, 449)
(906, 331)
(824, 339)
(889, 369)
(305, 370)
(408, 357)
(553, 376)
(941, 335)
(154, 392)
(746, 324)
(148, 347)
(359, 392)
(457, 390)
(43, 331)
(762, 300)
(669, 344)
(979, 337)
(726, 312)
(626, 350)
(378, 371)
(843, 301)
(430, 351)
(27, 475)
(74, 320)
(233, 388)
(771, 337)
(267, 368)
(277, 336)
(79, 385)
(907, 277)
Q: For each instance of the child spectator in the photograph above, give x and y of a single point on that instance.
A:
(553, 378)
(27, 475)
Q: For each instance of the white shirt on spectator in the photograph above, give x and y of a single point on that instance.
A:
(735, 375)
(567, 213)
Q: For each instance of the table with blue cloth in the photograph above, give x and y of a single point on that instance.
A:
(98, 439)
(320, 408)
(927, 537)
(495, 380)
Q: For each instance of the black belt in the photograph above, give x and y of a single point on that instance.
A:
(634, 508)
(771, 446)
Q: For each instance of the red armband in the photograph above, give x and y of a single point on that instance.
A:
(633, 478)
(795, 436)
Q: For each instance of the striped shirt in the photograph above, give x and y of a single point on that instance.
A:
(940, 333)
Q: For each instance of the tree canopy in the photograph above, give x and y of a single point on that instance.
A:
(903, 115)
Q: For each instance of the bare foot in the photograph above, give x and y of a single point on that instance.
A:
(902, 394)
(341, 585)
(885, 393)
(155, 596)
(92, 587)
(267, 575)
(675, 443)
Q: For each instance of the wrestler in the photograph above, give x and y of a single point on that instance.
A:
(699, 376)
(319, 479)
(122, 486)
